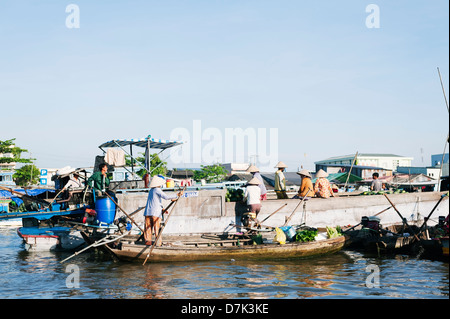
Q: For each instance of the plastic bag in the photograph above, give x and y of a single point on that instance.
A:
(280, 236)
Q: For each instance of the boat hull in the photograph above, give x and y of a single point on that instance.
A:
(50, 238)
(134, 252)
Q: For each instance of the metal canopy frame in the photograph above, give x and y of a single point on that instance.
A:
(147, 143)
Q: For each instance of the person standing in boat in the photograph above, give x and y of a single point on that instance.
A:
(99, 181)
(376, 185)
(154, 209)
(280, 181)
(306, 185)
(322, 187)
(253, 197)
(255, 172)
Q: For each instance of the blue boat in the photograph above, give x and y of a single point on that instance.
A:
(41, 222)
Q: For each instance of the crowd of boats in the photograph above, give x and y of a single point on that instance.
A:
(77, 220)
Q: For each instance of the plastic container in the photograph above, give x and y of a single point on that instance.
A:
(106, 210)
(170, 183)
(290, 233)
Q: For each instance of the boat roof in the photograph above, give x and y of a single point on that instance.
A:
(143, 142)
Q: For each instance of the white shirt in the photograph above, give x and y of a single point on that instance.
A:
(253, 194)
(73, 183)
(154, 205)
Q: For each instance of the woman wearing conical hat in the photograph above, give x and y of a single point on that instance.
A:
(255, 172)
(253, 197)
(280, 181)
(154, 209)
(322, 187)
(306, 187)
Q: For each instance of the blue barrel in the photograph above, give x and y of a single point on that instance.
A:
(106, 210)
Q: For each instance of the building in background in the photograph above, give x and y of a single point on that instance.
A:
(388, 162)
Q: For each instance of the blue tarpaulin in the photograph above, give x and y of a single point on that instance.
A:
(29, 192)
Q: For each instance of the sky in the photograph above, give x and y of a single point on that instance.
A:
(328, 77)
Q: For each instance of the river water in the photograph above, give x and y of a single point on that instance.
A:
(346, 274)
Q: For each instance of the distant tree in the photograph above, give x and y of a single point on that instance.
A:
(211, 173)
(8, 147)
(27, 175)
(157, 166)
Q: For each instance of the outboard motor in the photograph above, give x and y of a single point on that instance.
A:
(371, 222)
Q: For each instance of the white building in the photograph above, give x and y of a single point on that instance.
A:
(386, 161)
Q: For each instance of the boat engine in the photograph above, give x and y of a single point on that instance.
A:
(371, 222)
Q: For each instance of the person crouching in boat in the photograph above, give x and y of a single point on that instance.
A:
(322, 187)
(306, 187)
(253, 197)
(154, 209)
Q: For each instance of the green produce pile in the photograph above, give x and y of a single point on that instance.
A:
(334, 232)
(234, 195)
(306, 235)
(398, 191)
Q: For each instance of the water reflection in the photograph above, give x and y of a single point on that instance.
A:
(342, 275)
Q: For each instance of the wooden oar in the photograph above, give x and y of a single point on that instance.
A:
(132, 220)
(403, 219)
(164, 225)
(292, 214)
(273, 213)
(432, 211)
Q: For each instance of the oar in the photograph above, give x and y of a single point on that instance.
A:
(164, 225)
(373, 215)
(273, 213)
(292, 214)
(132, 220)
(403, 219)
(432, 211)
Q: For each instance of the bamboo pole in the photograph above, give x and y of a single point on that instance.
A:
(292, 214)
(350, 171)
(132, 220)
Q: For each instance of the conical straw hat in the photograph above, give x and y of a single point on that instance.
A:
(304, 172)
(281, 165)
(254, 181)
(252, 169)
(157, 182)
(321, 173)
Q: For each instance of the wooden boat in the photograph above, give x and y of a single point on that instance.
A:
(213, 248)
(435, 246)
(371, 237)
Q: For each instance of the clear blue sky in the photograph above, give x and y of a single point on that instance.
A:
(313, 69)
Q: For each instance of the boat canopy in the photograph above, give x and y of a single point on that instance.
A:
(148, 143)
(143, 142)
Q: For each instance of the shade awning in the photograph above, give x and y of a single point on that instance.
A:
(154, 143)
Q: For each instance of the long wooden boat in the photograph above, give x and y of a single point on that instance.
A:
(214, 249)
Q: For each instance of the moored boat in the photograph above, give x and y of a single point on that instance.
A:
(219, 248)
(50, 238)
